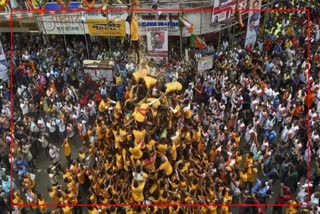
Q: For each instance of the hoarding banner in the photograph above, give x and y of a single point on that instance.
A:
(4, 74)
(253, 23)
(157, 43)
(205, 63)
(222, 16)
(98, 27)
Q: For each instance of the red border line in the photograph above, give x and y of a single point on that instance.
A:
(308, 104)
(11, 106)
(143, 10)
(152, 10)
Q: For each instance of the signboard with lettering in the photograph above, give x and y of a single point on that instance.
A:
(169, 21)
(200, 20)
(116, 15)
(98, 27)
(69, 23)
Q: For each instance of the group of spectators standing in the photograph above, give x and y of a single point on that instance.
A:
(167, 134)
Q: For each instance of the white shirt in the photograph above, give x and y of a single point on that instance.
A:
(21, 89)
(61, 125)
(34, 127)
(24, 107)
(189, 93)
(54, 153)
(70, 130)
(51, 126)
(44, 142)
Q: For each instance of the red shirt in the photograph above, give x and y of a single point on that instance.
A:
(285, 197)
(199, 88)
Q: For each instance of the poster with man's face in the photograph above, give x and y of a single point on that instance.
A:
(157, 41)
(253, 23)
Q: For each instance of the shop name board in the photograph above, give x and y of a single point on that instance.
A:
(109, 26)
(156, 23)
(98, 27)
(63, 24)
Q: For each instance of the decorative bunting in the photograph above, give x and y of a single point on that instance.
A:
(36, 4)
(3, 4)
(136, 3)
(239, 17)
(89, 5)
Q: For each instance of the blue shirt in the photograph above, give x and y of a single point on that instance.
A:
(22, 172)
(259, 190)
(6, 185)
(23, 163)
(256, 186)
(269, 66)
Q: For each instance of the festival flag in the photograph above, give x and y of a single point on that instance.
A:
(184, 23)
(196, 42)
(134, 29)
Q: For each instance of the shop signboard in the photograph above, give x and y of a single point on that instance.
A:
(150, 21)
(99, 27)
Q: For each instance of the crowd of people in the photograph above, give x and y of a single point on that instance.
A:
(168, 134)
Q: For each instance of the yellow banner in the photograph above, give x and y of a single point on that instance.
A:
(98, 27)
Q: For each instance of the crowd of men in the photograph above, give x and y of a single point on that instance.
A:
(183, 136)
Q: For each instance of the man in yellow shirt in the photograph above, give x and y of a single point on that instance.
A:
(67, 151)
(165, 166)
